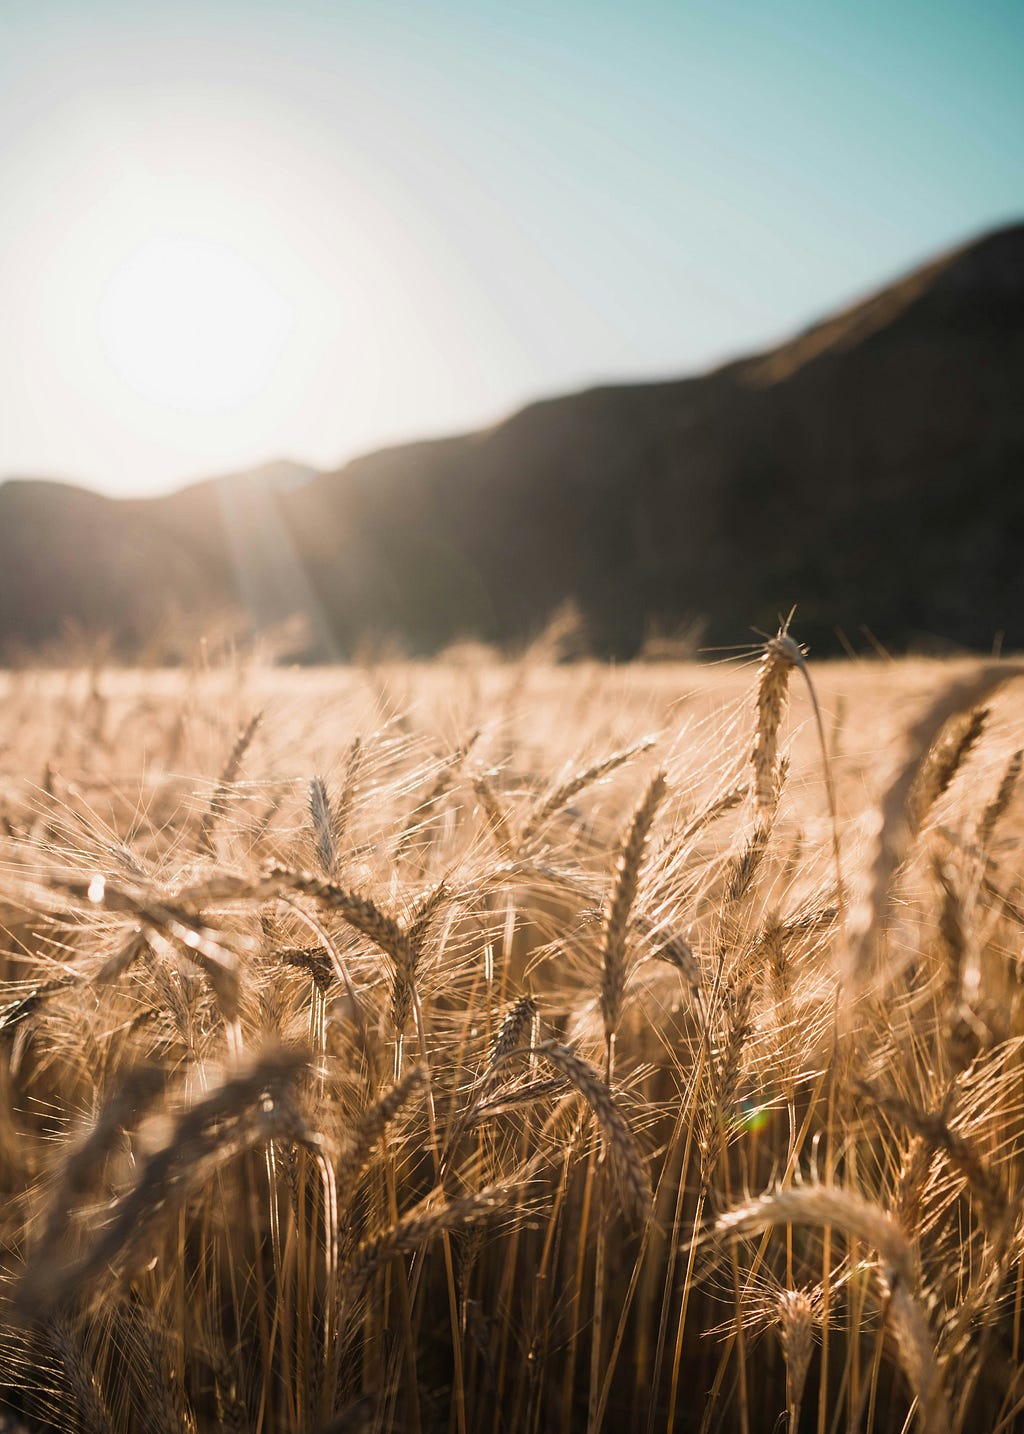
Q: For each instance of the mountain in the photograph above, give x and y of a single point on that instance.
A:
(869, 471)
(146, 573)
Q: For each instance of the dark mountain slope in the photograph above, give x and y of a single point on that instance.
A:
(869, 470)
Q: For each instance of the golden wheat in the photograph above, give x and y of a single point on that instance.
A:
(500, 1055)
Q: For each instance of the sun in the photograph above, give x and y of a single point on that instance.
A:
(190, 324)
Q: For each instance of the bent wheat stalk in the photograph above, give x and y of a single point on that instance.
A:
(830, 1206)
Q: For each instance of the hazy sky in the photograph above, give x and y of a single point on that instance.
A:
(244, 229)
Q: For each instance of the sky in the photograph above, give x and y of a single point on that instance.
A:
(249, 229)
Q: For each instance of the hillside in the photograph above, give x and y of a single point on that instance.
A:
(868, 470)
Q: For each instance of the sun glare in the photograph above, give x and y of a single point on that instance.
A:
(190, 324)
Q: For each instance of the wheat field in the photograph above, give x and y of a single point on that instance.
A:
(495, 1046)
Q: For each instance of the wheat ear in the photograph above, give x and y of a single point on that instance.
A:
(777, 662)
(620, 904)
(627, 1166)
(322, 819)
(564, 793)
(218, 802)
(795, 1316)
(894, 829)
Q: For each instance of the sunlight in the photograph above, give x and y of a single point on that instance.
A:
(190, 324)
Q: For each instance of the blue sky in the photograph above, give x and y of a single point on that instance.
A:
(456, 206)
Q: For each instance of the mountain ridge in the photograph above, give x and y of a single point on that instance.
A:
(864, 468)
